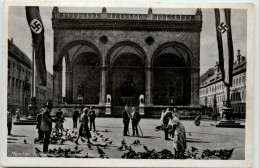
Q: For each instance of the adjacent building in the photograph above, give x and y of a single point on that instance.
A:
(213, 90)
(19, 81)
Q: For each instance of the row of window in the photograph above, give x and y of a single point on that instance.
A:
(15, 82)
(239, 80)
(27, 72)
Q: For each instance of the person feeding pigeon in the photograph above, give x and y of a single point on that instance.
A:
(46, 125)
(135, 116)
(165, 120)
(84, 130)
(60, 120)
(197, 120)
(179, 139)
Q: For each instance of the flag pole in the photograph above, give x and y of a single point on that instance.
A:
(32, 106)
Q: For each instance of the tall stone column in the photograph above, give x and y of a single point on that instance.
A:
(148, 86)
(57, 84)
(195, 84)
(103, 80)
(69, 87)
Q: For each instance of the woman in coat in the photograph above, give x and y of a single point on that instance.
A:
(84, 130)
(179, 139)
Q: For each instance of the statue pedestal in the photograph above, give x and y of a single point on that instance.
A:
(226, 122)
(130, 101)
(80, 99)
(108, 110)
(141, 110)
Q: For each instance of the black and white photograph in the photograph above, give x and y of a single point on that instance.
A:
(119, 82)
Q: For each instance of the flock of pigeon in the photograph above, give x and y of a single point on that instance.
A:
(100, 141)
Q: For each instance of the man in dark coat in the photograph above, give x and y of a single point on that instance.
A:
(46, 125)
(92, 117)
(9, 121)
(38, 126)
(75, 117)
(135, 116)
(126, 119)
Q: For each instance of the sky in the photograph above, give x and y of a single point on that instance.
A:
(18, 29)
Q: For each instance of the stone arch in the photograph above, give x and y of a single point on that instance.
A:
(174, 60)
(121, 46)
(64, 51)
(179, 47)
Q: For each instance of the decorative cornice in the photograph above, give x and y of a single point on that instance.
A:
(122, 21)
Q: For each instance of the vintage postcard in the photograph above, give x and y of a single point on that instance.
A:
(115, 84)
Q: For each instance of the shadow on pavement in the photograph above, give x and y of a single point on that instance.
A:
(195, 140)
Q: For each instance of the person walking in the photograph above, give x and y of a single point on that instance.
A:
(92, 117)
(75, 117)
(38, 126)
(17, 115)
(126, 119)
(135, 116)
(9, 121)
(84, 130)
(165, 121)
(46, 125)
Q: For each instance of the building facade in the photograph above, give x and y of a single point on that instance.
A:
(127, 57)
(19, 81)
(213, 90)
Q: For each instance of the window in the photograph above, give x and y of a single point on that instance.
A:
(239, 80)
(13, 65)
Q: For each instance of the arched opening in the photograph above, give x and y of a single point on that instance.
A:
(86, 74)
(126, 75)
(171, 76)
(79, 62)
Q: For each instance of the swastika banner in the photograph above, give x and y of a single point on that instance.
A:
(225, 44)
(37, 30)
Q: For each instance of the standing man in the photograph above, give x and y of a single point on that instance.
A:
(17, 115)
(75, 117)
(135, 116)
(92, 117)
(46, 125)
(126, 120)
(9, 121)
(38, 126)
(165, 121)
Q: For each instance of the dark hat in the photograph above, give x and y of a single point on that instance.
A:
(49, 104)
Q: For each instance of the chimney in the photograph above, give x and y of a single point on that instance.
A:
(12, 40)
(238, 56)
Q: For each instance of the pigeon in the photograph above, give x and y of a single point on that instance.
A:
(38, 150)
(76, 133)
(193, 149)
(110, 142)
(76, 148)
(25, 141)
(35, 140)
(145, 147)
(104, 145)
(97, 133)
(90, 147)
(97, 130)
(134, 143)
(106, 130)
(94, 139)
(105, 139)
(83, 140)
(120, 148)
(72, 131)
(100, 151)
(202, 156)
(101, 136)
(190, 134)
(126, 147)
(123, 142)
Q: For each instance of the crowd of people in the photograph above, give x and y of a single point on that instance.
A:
(170, 124)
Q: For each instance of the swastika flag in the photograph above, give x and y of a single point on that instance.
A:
(225, 44)
(35, 23)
